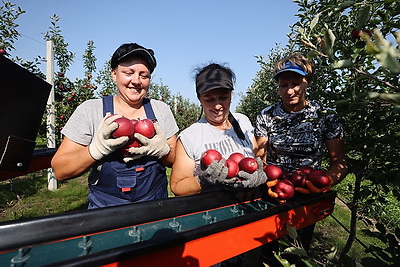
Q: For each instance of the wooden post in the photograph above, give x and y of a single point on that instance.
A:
(51, 137)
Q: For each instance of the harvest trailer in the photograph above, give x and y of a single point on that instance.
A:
(197, 230)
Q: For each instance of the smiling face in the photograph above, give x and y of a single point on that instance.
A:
(292, 89)
(216, 104)
(132, 78)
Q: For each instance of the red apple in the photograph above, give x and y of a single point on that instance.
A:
(306, 169)
(284, 189)
(319, 178)
(209, 156)
(134, 121)
(248, 164)
(356, 34)
(237, 157)
(2, 52)
(144, 127)
(298, 178)
(273, 172)
(233, 168)
(125, 127)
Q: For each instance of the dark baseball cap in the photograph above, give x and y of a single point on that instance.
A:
(132, 50)
(213, 79)
(290, 66)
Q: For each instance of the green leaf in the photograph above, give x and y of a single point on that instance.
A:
(291, 231)
(392, 98)
(389, 61)
(397, 36)
(284, 262)
(344, 63)
(345, 5)
(329, 38)
(314, 21)
(295, 251)
(363, 16)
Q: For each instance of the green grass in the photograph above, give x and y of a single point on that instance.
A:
(330, 236)
(28, 196)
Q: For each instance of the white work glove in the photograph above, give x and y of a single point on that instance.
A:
(251, 180)
(215, 173)
(103, 143)
(157, 146)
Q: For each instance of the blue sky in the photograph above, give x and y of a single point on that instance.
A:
(183, 34)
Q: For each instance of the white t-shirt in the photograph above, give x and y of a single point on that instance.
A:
(86, 119)
(201, 136)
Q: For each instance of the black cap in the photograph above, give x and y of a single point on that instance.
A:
(131, 50)
(213, 79)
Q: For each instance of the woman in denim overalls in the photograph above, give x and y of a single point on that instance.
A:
(120, 178)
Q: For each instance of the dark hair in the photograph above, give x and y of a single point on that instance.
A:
(131, 50)
(213, 76)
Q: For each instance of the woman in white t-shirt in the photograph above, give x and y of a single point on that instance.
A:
(220, 130)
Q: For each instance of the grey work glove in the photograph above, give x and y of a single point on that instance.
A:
(215, 173)
(103, 143)
(251, 180)
(157, 146)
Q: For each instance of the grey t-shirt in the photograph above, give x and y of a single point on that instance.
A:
(296, 139)
(201, 136)
(86, 119)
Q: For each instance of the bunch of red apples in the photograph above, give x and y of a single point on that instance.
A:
(235, 162)
(282, 185)
(127, 127)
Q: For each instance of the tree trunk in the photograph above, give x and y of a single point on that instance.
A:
(353, 220)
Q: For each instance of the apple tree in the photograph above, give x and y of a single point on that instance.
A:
(355, 45)
(9, 13)
(185, 112)
(69, 94)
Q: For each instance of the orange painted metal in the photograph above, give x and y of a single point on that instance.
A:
(38, 162)
(223, 245)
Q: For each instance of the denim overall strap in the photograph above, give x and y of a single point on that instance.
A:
(108, 104)
(148, 109)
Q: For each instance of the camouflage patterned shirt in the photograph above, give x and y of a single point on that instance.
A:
(297, 139)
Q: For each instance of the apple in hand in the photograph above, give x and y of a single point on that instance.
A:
(209, 156)
(284, 189)
(144, 127)
(237, 157)
(306, 169)
(125, 128)
(248, 164)
(233, 168)
(273, 172)
(319, 178)
(298, 178)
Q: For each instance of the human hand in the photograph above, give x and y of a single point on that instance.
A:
(251, 180)
(103, 143)
(215, 173)
(157, 146)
